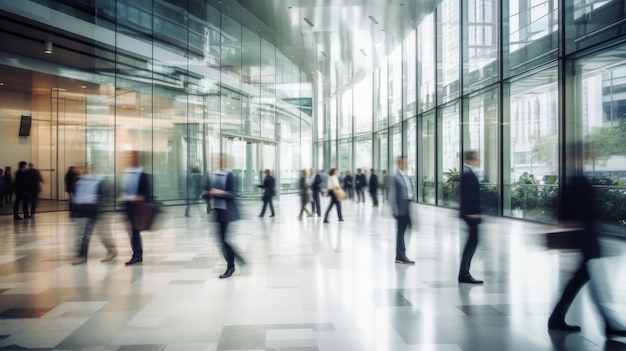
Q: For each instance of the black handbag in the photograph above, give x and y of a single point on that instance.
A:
(565, 240)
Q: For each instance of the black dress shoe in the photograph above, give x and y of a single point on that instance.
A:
(563, 326)
(614, 333)
(133, 261)
(17, 218)
(271, 215)
(470, 280)
(340, 219)
(325, 221)
(228, 273)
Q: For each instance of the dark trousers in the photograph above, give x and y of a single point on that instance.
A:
(374, 194)
(135, 235)
(91, 217)
(403, 222)
(470, 249)
(227, 249)
(267, 200)
(20, 198)
(360, 193)
(32, 201)
(333, 201)
(581, 276)
(304, 200)
(350, 191)
(315, 207)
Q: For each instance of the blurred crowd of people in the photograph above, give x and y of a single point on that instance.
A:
(25, 185)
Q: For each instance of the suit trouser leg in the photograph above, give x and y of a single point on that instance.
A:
(16, 205)
(90, 222)
(316, 197)
(264, 206)
(135, 244)
(271, 205)
(581, 276)
(403, 223)
(330, 206)
(33, 202)
(470, 249)
(227, 250)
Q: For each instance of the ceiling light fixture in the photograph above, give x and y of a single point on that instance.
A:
(47, 47)
(373, 19)
(308, 21)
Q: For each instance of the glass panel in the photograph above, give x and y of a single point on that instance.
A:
(363, 152)
(396, 147)
(332, 118)
(448, 50)
(410, 64)
(600, 126)
(532, 37)
(381, 95)
(480, 44)
(381, 150)
(345, 118)
(426, 170)
(590, 22)
(449, 144)
(531, 147)
(395, 86)
(363, 105)
(426, 63)
(411, 149)
(480, 130)
(345, 155)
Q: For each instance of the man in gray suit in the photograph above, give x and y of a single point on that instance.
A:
(401, 196)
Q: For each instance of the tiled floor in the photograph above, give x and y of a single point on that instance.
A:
(305, 286)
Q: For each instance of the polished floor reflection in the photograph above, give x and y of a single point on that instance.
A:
(305, 286)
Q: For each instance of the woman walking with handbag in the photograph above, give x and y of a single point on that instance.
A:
(304, 195)
(335, 193)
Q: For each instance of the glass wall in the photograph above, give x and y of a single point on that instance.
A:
(495, 77)
(177, 81)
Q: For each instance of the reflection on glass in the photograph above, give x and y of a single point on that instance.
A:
(590, 22)
(448, 174)
(363, 105)
(532, 37)
(410, 149)
(409, 49)
(345, 155)
(448, 71)
(427, 161)
(395, 86)
(481, 51)
(381, 150)
(601, 110)
(381, 116)
(480, 129)
(345, 118)
(531, 190)
(426, 63)
(363, 152)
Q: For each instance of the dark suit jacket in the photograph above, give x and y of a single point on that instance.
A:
(269, 187)
(347, 182)
(399, 197)
(470, 194)
(20, 182)
(360, 181)
(373, 183)
(317, 181)
(231, 213)
(579, 206)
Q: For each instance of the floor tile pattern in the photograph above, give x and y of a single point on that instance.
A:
(305, 285)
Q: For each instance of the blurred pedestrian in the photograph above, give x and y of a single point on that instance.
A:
(348, 185)
(335, 193)
(20, 187)
(360, 182)
(401, 197)
(223, 194)
(33, 188)
(386, 185)
(470, 212)
(71, 176)
(136, 188)
(373, 187)
(269, 191)
(89, 191)
(7, 195)
(314, 183)
(304, 191)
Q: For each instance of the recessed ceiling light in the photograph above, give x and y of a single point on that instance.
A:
(47, 47)
(83, 86)
(1, 84)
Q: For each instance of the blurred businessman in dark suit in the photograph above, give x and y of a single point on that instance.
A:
(400, 200)
(470, 212)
